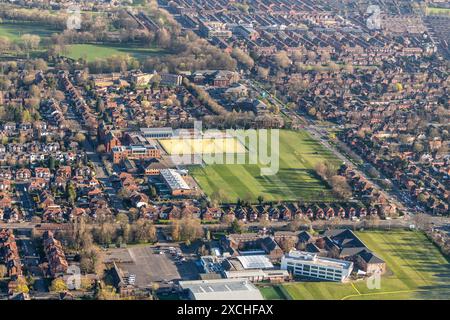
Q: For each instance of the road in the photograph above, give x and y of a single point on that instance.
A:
(94, 157)
(24, 196)
(30, 259)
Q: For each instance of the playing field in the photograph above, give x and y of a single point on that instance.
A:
(202, 146)
(434, 11)
(274, 293)
(14, 31)
(295, 180)
(416, 270)
(90, 52)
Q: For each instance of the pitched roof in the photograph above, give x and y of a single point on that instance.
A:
(370, 257)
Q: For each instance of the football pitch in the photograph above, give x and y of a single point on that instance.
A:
(295, 180)
(416, 270)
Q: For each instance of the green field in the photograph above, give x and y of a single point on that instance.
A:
(416, 270)
(90, 52)
(435, 11)
(296, 178)
(274, 293)
(14, 31)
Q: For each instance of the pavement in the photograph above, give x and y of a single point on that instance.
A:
(24, 196)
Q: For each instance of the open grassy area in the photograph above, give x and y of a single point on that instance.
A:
(435, 11)
(416, 270)
(14, 31)
(275, 292)
(90, 52)
(202, 146)
(296, 178)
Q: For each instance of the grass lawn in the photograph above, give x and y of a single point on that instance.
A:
(431, 11)
(296, 178)
(416, 270)
(275, 292)
(14, 31)
(90, 52)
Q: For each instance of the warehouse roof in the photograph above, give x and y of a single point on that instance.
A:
(255, 262)
(222, 289)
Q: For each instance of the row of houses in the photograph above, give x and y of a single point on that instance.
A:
(10, 253)
(57, 263)
(264, 212)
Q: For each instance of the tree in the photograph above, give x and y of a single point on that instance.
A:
(260, 199)
(122, 218)
(235, 226)
(418, 147)
(243, 58)
(341, 187)
(155, 287)
(144, 230)
(26, 116)
(176, 230)
(163, 38)
(58, 95)
(92, 261)
(79, 137)
(287, 243)
(101, 148)
(21, 285)
(30, 41)
(3, 271)
(5, 43)
(105, 233)
(422, 221)
(263, 73)
(282, 59)
(107, 293)
(71, 192)
(58, 285)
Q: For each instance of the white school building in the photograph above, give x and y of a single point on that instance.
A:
(311, 265)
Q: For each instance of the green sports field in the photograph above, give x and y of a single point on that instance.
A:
(14, 31)
(296, 178)
(274, 293)
(182, 147)
(436, 11)
(416, 270)
(91, 52)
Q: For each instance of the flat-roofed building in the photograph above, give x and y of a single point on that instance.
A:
(255, 262)
(157, 133)
(221, 289)
(310, 265)
(258, 275)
